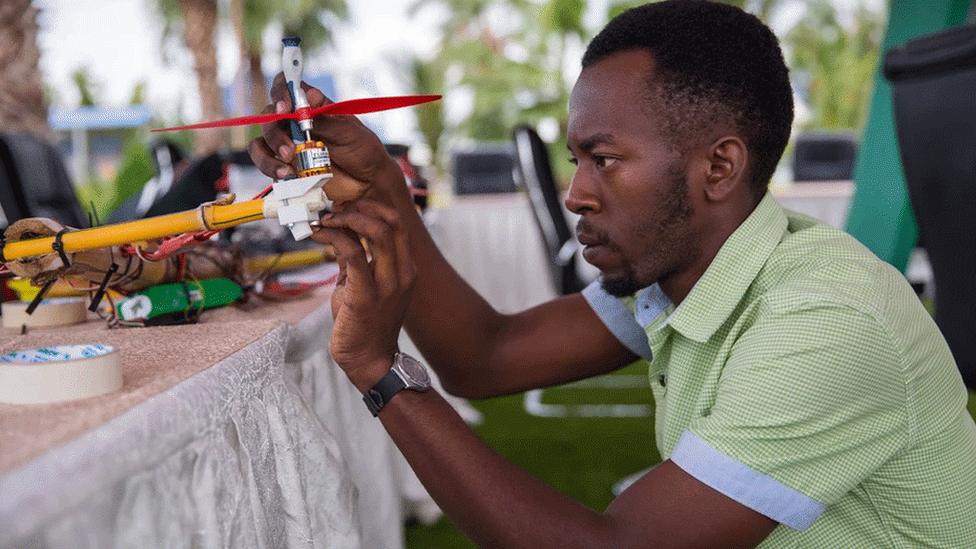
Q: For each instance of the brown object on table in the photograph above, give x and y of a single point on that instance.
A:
(153, 360)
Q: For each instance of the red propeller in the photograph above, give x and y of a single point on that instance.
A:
(352, 106)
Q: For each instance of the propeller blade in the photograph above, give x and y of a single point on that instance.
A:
(372, 104)
(239, 121)
(351, 106)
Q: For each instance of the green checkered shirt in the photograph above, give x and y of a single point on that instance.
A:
(802, 377)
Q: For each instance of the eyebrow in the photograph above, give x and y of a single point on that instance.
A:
(592, 141)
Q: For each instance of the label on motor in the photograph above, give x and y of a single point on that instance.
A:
(315, 158)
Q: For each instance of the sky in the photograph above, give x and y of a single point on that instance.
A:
(120, 43)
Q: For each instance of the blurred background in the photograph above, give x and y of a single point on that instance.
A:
(99, 73)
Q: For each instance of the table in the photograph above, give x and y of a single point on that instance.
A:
(237, 432)
(828, 201)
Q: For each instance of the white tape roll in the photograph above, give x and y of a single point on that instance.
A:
(64, 372)
(57, 311)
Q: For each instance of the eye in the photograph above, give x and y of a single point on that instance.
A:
(603, 162)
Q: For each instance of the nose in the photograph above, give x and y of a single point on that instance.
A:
(582, 196)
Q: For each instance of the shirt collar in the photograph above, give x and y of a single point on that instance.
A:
(721, 288)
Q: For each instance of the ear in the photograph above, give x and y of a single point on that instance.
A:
(726, 168)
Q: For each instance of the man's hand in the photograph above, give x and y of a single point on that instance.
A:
(359, 160)
(371, 296)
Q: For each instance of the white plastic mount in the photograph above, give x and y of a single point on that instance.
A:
(297, 202)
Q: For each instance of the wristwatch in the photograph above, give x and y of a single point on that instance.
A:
(406, 373)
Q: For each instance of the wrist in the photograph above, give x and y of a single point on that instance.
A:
(366, 374)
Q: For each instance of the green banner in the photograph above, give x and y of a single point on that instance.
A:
(880, 214)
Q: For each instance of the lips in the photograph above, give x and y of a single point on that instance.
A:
(589, 240)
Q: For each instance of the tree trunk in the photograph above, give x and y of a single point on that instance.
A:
(22, 107)
(199, 29)
(241, 106)
(259, 92)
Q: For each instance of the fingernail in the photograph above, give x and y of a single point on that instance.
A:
(283, 171)
(280, 107)
(284, 152)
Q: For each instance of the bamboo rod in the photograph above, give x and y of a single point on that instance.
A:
(207, 216)
(288, 260)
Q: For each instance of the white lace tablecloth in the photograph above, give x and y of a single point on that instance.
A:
(269, 447)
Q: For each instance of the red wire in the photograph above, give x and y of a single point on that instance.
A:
(171, 245)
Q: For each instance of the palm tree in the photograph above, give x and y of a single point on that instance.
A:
(305, 18)
(198, 19)
(22, 106)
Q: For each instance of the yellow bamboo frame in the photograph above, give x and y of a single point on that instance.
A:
(288, 260)
(206, 217)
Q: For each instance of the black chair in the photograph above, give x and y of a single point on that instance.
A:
(933, 81)
(34, 182)
(168, 193)
(484, 170)
(824, 156)
(533, 172)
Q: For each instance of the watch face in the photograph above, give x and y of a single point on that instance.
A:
(415, 371)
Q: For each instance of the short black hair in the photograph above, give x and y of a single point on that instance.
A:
(712, 62)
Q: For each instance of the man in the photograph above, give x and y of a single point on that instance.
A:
(804, 397)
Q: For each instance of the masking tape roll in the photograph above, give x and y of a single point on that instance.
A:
(58, 311)
(63, 372)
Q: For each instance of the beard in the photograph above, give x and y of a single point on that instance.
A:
(670, 241)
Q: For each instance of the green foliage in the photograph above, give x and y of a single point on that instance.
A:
(838, 62)
(302, 18)
(515, 71)
(100, 197)
(87, 86)
(428, 79)
(138, 95)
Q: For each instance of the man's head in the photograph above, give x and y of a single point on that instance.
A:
(677, 122)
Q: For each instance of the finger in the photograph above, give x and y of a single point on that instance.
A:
(279, 91)
(351, 257)
(373, 208)
(342, 188)
(315, 96)
(405, 266)
(352, 145)
(278, 135)
(266, 160)
(379, 235)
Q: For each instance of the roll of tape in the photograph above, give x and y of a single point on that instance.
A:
(63, 372)
(57, 311)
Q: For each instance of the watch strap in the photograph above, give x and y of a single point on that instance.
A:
(381, 393)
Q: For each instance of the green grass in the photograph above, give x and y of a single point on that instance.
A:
(581, 457)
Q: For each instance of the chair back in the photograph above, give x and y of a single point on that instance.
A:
(34, 182)
(533, 172)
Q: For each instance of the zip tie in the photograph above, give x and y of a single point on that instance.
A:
(39, 297)
(97, 298)
(58, 246)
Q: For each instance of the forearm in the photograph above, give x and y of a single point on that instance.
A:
(494, 502)
(452, 326)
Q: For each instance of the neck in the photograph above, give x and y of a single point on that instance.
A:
(680, 282)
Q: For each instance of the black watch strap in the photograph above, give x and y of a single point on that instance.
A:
(381, 393)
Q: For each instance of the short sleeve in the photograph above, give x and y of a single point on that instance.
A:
(618, 319)
(810, 403)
